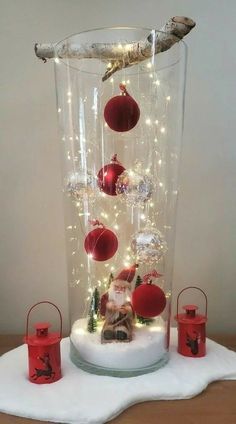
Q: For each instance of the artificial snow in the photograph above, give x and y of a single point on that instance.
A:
(147, 347)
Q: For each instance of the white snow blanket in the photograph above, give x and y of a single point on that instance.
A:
(146, 348)
(82, 398)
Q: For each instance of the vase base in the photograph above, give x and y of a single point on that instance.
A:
(112, 372)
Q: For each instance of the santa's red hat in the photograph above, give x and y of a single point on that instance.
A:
(127, 274)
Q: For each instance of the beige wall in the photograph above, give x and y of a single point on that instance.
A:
(32, 235)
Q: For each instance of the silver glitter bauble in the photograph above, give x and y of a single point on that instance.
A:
(79, 184)
(148, 245)
(134, 187)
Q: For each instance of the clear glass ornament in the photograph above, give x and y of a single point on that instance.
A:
(148, 245)
(135, 187)
(79, 184)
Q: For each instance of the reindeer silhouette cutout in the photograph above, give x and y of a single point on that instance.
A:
(47, 372)
(193, 343)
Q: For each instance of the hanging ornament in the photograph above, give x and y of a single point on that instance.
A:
(101, 243)
(122, 112)
(148, 245)
(148, 300)
(107, 176)
(135, 187)
(80, 183)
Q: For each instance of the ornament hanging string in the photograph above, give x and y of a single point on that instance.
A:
(124, 92)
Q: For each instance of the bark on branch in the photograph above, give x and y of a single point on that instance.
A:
(118, 56)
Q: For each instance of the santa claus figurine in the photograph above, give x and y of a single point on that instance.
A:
(116, 307)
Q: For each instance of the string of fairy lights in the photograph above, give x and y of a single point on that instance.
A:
(92, 204)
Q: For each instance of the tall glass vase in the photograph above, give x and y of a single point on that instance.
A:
(121, 143)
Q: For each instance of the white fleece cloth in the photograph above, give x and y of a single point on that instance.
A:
(83, 398)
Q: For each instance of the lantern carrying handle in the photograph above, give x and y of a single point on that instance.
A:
(192, 287)
(39, 303)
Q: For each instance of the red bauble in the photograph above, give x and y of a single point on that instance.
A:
(101, 244)
(108, 175)
(148, 300)
(122, 113)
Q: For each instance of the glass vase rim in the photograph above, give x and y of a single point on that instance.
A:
(119, 27)
(180, 42)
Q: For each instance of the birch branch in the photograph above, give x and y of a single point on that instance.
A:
(118, 56)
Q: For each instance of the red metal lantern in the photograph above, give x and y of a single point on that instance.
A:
(191, 329)
(44, 356)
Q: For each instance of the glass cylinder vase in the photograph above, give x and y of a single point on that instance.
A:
(120, 139)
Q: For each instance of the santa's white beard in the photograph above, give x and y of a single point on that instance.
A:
(119, 298)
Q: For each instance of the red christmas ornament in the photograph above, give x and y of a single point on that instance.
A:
(101, 243)
(122, 112)
(148, 300)
(108, 175)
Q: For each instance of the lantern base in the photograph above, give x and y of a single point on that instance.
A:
(144, 354)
